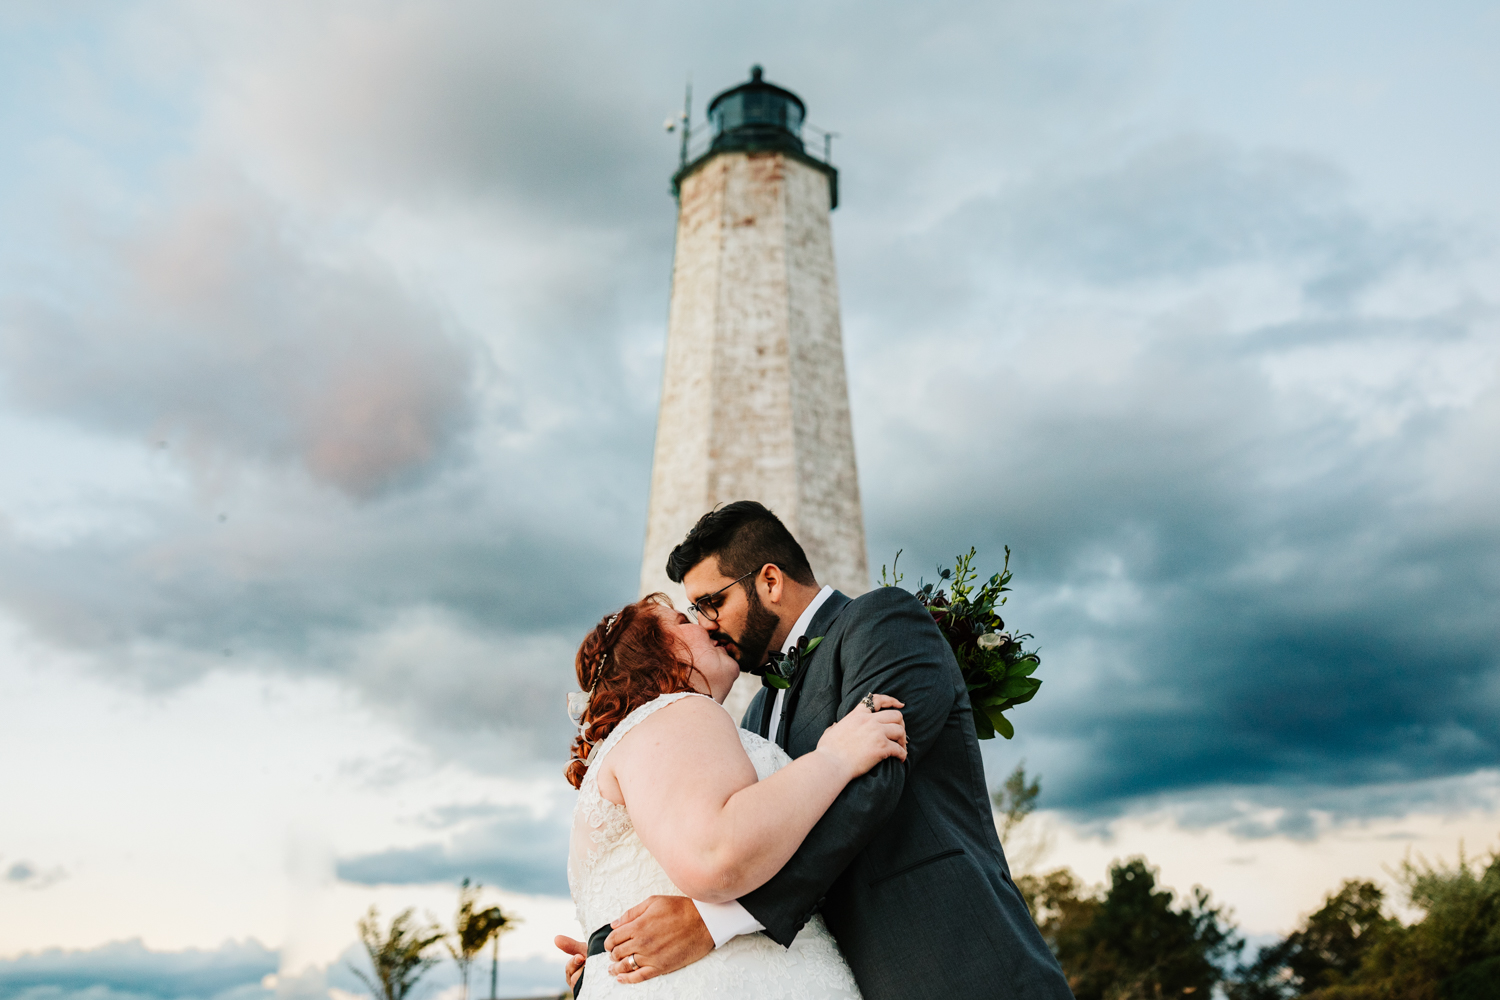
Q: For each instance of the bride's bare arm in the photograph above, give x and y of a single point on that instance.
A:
(693, 798)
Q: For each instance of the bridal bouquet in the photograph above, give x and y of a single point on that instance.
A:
(995, 664)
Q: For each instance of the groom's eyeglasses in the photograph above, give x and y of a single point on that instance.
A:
(708, 608)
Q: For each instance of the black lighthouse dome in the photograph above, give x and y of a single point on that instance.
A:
(757, 116)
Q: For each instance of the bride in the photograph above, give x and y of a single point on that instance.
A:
(674, 799)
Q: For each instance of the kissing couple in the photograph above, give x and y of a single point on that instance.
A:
(838, 844)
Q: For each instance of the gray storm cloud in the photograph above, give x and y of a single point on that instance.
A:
(1212, 434)
(236, 970)
(508, 848)
(129, 968)
(1236, 422)
(217, 333)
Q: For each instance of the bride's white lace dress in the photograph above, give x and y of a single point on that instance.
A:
(610, 870)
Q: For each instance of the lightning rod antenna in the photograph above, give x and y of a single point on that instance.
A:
(687, 117)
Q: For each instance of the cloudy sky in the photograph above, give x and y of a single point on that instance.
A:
(330, 345)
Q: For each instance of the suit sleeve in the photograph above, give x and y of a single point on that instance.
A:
(891, 647)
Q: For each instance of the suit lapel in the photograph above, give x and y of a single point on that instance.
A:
(819, 626)
(767, 698)
(757, 714)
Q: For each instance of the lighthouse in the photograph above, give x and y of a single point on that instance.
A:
(754, 400)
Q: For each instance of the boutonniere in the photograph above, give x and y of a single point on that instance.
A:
(784, 666)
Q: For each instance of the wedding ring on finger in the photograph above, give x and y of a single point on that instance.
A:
(634, 965)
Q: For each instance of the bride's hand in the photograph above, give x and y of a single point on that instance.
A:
(864, 738)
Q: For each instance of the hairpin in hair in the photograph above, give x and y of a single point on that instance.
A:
(578, 701)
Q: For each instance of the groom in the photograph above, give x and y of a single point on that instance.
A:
(905, 866)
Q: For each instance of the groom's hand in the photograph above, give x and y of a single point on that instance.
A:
(577, 954)
(664, 934)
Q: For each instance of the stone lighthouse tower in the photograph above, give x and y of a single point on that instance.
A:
(754, 402)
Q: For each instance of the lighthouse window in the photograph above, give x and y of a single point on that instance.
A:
(756, 108)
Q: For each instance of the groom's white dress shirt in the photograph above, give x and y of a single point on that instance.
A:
(729, 920)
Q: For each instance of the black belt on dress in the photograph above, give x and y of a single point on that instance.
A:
(596, 947)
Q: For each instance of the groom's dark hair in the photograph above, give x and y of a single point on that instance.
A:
(743, 536)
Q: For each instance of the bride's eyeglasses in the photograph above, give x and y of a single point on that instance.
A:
(706, 607)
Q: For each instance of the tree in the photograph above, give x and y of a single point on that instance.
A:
(510, 925)
(398, 957)
(1452, 953)
(1350, 950)
(1016, 800)
(1327, 950)
(1061, 906)
(1138, 945)
(1461, 926)
(473, 929)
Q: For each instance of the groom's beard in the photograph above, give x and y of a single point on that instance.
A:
(760, 625)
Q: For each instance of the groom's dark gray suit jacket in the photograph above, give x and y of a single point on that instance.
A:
(906, 866)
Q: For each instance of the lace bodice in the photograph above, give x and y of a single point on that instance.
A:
(610, 870)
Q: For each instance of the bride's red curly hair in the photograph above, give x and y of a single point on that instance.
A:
(641, 661)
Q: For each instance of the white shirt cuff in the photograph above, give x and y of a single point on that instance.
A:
(727, 920)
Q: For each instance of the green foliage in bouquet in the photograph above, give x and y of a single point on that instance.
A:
(995, 664)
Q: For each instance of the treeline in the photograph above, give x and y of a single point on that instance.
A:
(1133, 938)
